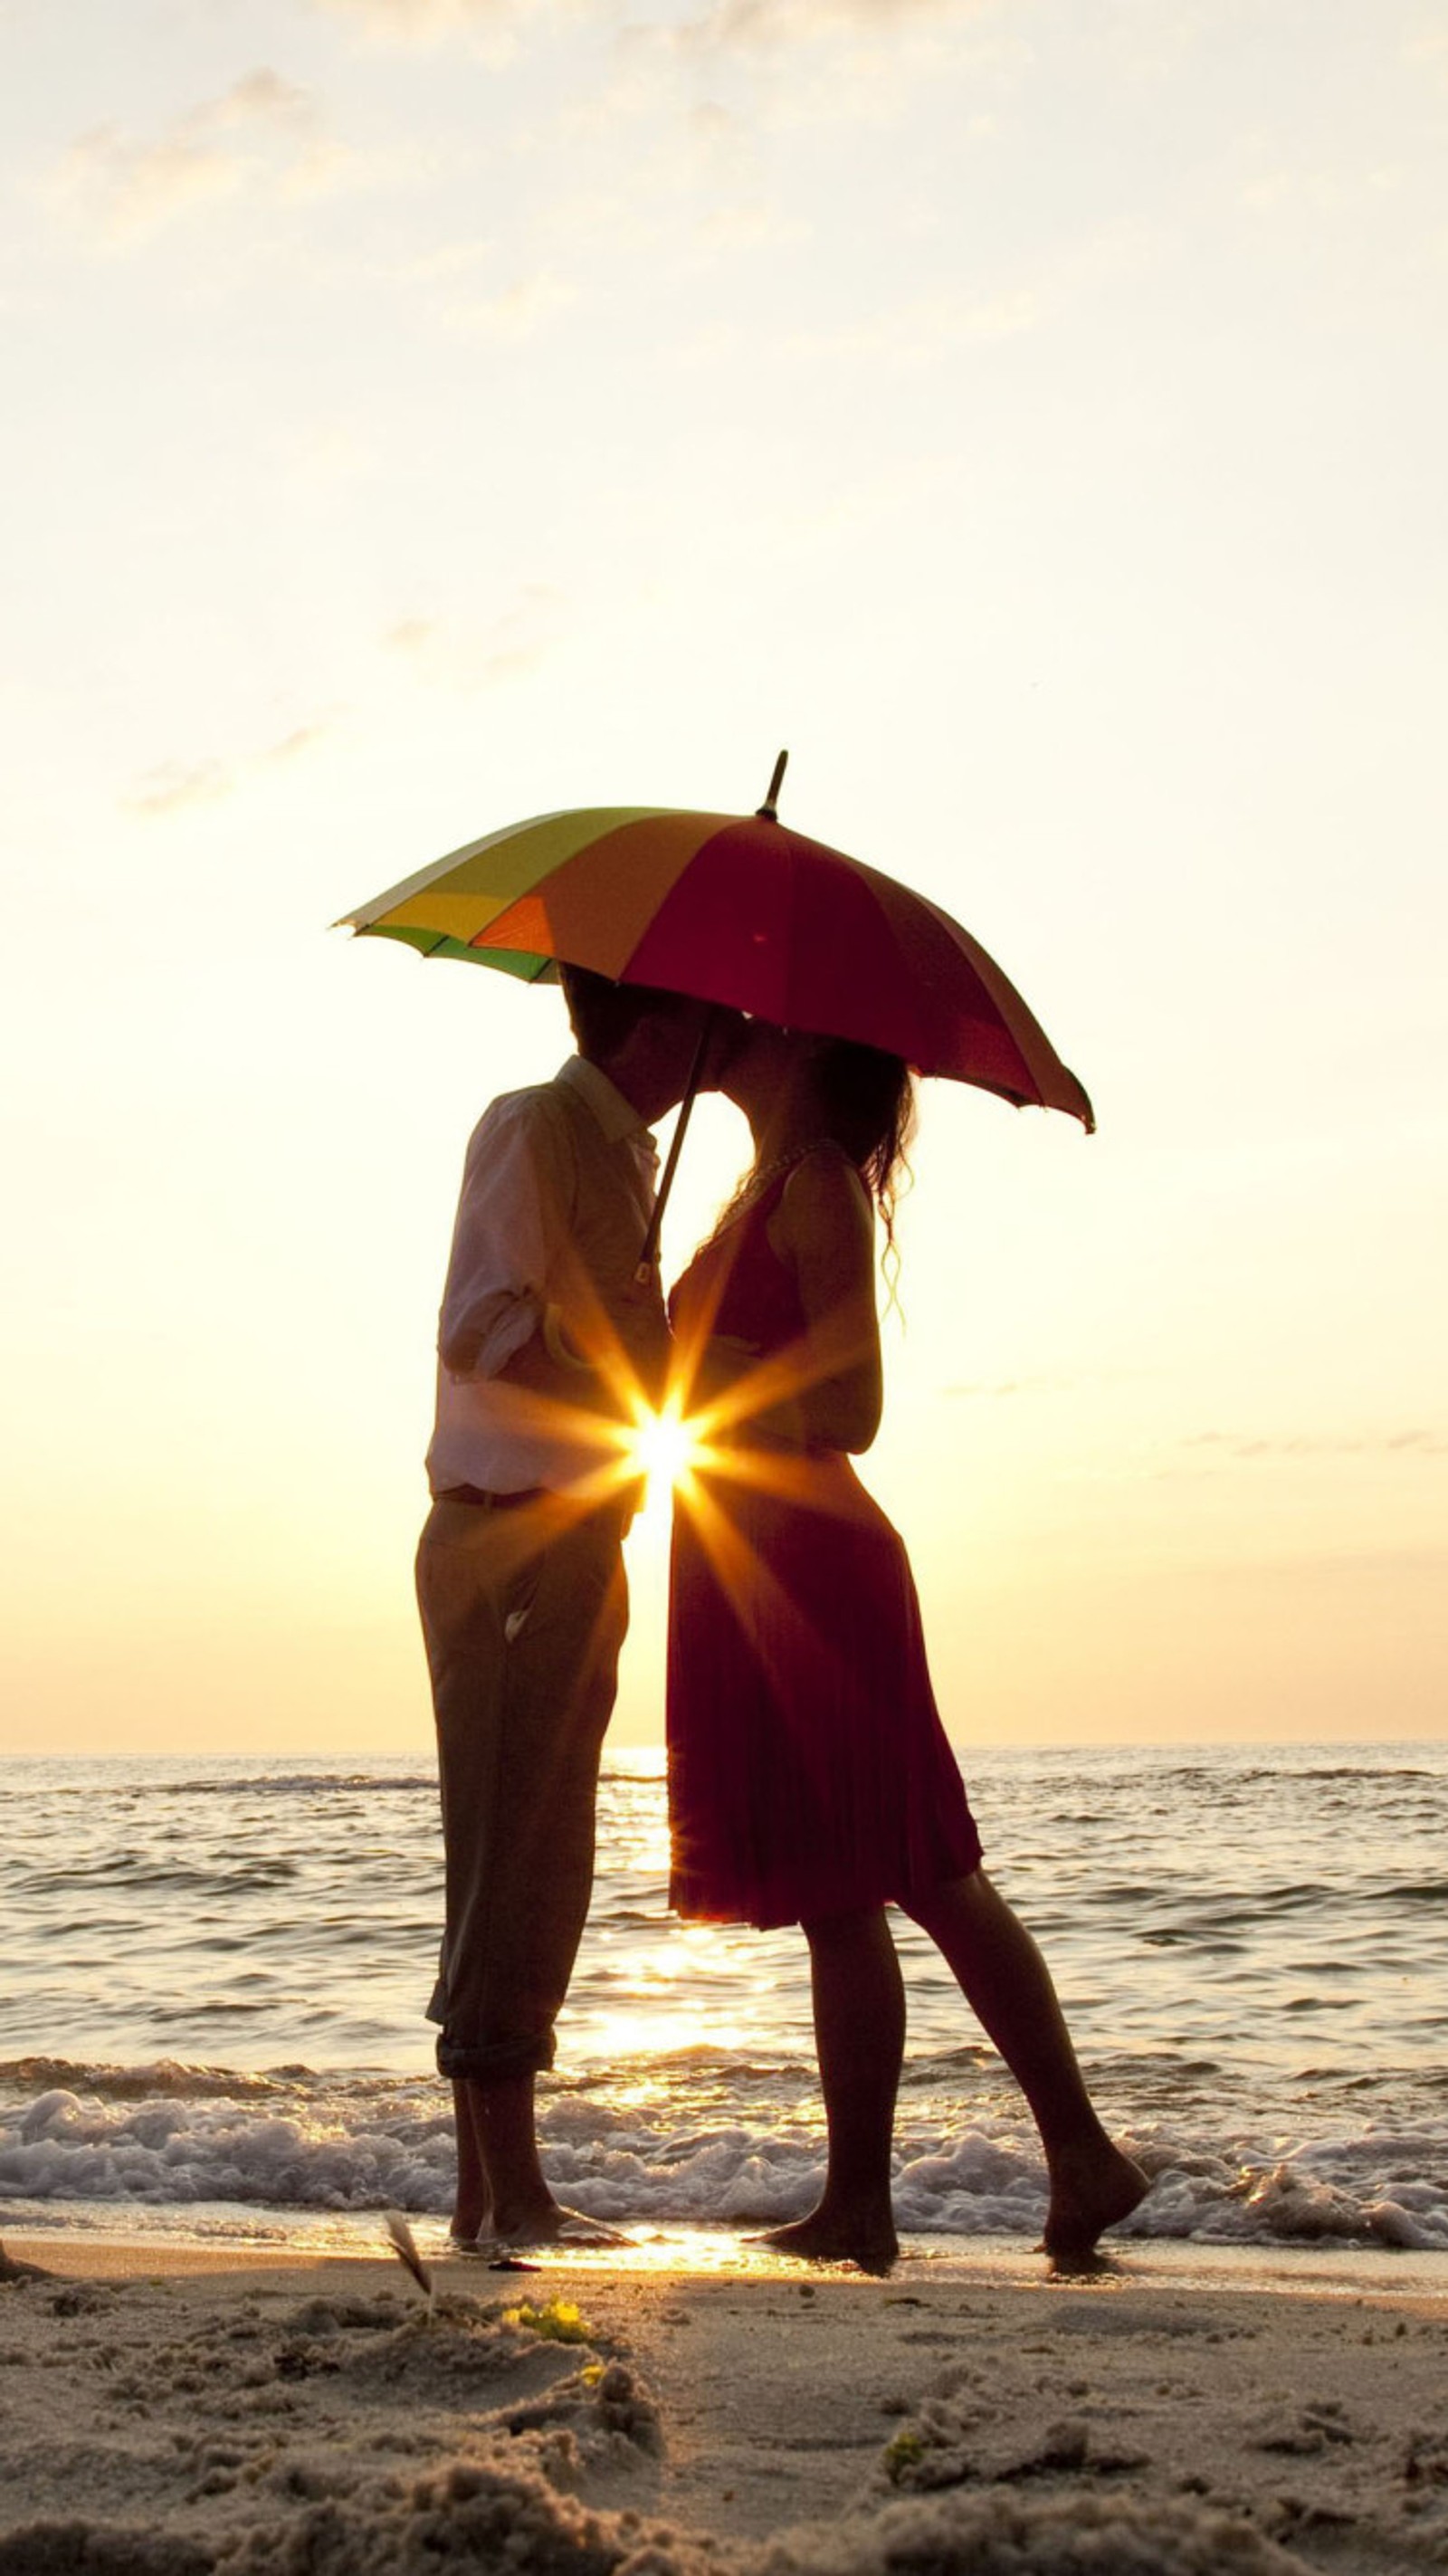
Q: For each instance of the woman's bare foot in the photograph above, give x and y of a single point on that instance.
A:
(1092, 2187)
(868, 2241)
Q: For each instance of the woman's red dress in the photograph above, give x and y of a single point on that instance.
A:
(809, 1773)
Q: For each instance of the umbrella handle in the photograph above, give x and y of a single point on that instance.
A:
(648, 1256)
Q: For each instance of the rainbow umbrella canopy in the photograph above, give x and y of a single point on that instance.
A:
(735, 909)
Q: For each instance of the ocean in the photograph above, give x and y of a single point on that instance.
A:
(215, 1972)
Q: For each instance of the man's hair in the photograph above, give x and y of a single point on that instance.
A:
(604, 1015)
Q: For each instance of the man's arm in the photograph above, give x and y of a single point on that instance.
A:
(503, 1313)
(514, 1213)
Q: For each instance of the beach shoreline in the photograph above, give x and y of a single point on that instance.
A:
(1186, 2408)
(682, 2256)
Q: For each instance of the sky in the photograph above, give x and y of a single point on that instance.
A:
(428, 413)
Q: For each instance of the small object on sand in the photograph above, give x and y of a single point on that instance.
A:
(404, 2247)
(11, 2269)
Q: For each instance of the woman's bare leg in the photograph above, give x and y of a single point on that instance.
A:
(859, 2019)
(1007, 1984)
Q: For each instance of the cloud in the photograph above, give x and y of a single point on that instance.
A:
(770, 24)
(713, 26)
(447, 655)
(1320, 192)
(447, 259)
(915, 333)
(717, 23)
(513, 314)
(261, 134)
(751, 224)
(427, 22)
(1419, 1442)
(177, 786)
(823, 62)
(411, 635)
(1330, 1567)
(293, 745)
(326, 455)
(260, 97)
(976, 1388)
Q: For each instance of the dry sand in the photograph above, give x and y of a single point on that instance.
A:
(176, 2413)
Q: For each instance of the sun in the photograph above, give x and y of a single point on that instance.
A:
(663, 1448)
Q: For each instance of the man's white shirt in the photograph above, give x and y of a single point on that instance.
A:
(558, 1187)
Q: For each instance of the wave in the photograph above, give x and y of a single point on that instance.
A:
(252, 1784)
(169, 2137)
(1243, 1781)
(163, 2078)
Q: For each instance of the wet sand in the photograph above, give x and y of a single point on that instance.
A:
(173, 2410)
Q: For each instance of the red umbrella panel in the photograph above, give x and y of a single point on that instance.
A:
(742, 911)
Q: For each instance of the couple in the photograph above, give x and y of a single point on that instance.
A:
(810, 1779)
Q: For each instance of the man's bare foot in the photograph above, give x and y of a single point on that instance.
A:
(551, 2224)
(871, 2244)
(1092, 2187)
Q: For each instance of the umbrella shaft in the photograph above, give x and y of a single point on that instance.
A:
(648, 1256)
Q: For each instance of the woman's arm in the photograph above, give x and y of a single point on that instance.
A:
(824, 1232)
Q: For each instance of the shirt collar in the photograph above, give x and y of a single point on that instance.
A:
(616, 1116)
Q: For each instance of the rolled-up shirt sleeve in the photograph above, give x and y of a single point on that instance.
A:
(514, 1214)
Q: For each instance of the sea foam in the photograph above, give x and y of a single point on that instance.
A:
(176, 2137)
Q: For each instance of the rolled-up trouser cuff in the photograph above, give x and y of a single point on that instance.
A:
(494, 2065)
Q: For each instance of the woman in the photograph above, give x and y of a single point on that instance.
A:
(810, 1778)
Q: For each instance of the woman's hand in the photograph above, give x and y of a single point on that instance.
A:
(750, 1397)
(723, 1362)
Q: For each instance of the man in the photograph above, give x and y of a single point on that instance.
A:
(545, 1334)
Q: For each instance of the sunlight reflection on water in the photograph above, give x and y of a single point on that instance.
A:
(1276, 1916)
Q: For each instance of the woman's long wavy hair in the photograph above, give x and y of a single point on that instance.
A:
(868, 1099)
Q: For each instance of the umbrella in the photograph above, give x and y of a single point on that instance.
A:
(740, 910)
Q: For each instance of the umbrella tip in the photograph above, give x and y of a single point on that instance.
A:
(768, 811)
